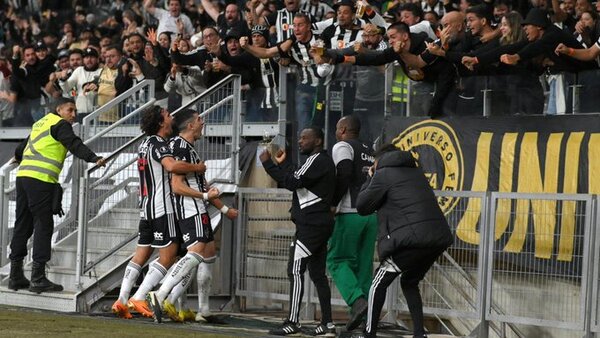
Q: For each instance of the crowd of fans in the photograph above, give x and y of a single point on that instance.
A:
(94, 50)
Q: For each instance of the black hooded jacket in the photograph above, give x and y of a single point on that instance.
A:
(407, 210)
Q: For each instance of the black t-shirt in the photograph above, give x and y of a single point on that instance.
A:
(240, 27)
(26, 88)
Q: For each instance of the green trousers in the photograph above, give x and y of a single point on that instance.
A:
(350, 255)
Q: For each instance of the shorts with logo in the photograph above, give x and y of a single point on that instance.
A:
(159, 232)
(196, 229)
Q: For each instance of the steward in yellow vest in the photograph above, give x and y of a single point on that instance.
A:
(41, 159)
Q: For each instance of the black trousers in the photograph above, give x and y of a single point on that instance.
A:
(33, 217)
(411, 265)
(309, 250)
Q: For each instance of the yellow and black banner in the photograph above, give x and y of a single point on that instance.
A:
(536, 154)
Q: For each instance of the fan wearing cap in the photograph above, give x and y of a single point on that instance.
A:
(215, 70)
(82, 83)
(262, 97)
(63, 59)
(62, 64)
(543, 39)
(45, 64)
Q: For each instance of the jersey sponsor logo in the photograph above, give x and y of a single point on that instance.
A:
(435, 146)
(367, 157)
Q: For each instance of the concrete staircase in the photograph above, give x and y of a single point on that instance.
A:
(117, 226)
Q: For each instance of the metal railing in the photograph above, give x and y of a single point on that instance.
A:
(519, 261)
(100, 139)
(114, 212)
(7, 187)
(497, 95)
(118, 108)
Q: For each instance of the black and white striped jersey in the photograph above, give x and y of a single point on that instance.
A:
(186, 206)
(155, 190)
(308, 67)
(269, 75)
(318, 11)
(336, 37)
(283, 20)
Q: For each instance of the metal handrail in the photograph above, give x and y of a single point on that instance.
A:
(118, 99)
(82, 267)
(113, 126)
(4, 191)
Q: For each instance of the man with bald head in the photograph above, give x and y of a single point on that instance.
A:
(453, 27)
(350, 253)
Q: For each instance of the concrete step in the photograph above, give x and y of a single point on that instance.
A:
(64, 301)
(67, 256)
(124, 218)
(106, 238)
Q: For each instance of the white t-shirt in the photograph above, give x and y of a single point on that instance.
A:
(168, 23)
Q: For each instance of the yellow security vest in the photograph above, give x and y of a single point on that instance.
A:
(399, 86)
(43, 156)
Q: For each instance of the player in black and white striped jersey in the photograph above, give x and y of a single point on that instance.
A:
(192, 195)
(157, 224)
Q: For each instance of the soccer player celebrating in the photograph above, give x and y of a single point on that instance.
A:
(157, 224)
(194, 222)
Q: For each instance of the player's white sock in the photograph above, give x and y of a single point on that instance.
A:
(182, 268)
(178, 294)
(154, 276)
(204, 278)
(132, 271)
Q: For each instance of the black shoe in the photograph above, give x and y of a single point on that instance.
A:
(17, 279)
(287, 329)
(154, 306)
(39, 282)
(358, 311)
(324, 330)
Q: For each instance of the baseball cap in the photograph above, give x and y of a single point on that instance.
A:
(262, 30)
(232, 34)
(40, 45)
(537, 17)
(63, 53)
(90, 52)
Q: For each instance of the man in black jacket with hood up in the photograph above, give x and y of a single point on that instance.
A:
(413, 231)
